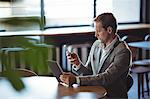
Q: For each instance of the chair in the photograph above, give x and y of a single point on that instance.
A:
(147, 37)
(129, 82)
(81, 49)
(131, 38)
(43, 53)
(26, 72)
(138, 66)
(26, 51)
(142, 72)
(11, 46)
(22, 72)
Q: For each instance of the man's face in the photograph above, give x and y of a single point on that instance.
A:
(101, 33)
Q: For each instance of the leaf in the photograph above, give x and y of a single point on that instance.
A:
(15, 80)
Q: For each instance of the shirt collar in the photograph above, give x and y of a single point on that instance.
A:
(110, 46)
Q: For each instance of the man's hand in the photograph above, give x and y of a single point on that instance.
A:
(73, 58)
(68, 78)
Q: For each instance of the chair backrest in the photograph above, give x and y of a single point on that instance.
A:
(130, 38)
(25, 72)
(33, 39)
(81, 49)
(129, 82)
(21, 72)
(147, 37)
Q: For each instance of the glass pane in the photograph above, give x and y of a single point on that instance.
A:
(18, 15)
(26, 7)
(5, 9)
(122, 9)
(19, 8)
(127, 10)
(68, 12)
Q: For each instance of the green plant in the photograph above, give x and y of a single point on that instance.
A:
(35, 55)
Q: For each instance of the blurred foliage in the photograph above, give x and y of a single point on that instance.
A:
(14, 79)
(35, 54)
(16, 23)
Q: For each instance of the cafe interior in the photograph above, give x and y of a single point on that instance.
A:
(33, 32)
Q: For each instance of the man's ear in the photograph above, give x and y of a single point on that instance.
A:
(109, 29)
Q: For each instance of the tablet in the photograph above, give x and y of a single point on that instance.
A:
(56, 69)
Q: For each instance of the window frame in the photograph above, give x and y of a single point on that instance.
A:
(43, 17)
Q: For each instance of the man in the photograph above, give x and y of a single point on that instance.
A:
(108, 63)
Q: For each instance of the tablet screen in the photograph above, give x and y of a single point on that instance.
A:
(56, 69)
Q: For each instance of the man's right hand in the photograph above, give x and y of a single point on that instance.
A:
(73, 58)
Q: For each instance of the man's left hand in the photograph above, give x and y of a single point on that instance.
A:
(68, 78)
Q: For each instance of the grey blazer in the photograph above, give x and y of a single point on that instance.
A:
(113, 72)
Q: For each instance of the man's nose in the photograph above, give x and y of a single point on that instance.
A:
(96, 34)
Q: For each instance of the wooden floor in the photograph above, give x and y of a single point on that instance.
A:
(133, 92)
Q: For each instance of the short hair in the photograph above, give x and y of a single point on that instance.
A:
(107, 19)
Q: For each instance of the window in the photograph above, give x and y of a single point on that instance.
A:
(126, 11)
(19, 8)
(68, 12)
(18, 15)
(81, 12)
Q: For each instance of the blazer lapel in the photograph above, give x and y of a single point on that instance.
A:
(92, 59)
(103, 60)
(107, 55)
(95, 61)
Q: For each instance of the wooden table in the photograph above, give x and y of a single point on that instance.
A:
(142, 44)
(48, 88)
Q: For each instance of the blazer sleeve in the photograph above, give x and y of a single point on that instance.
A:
(83, 70)
(120, 65)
